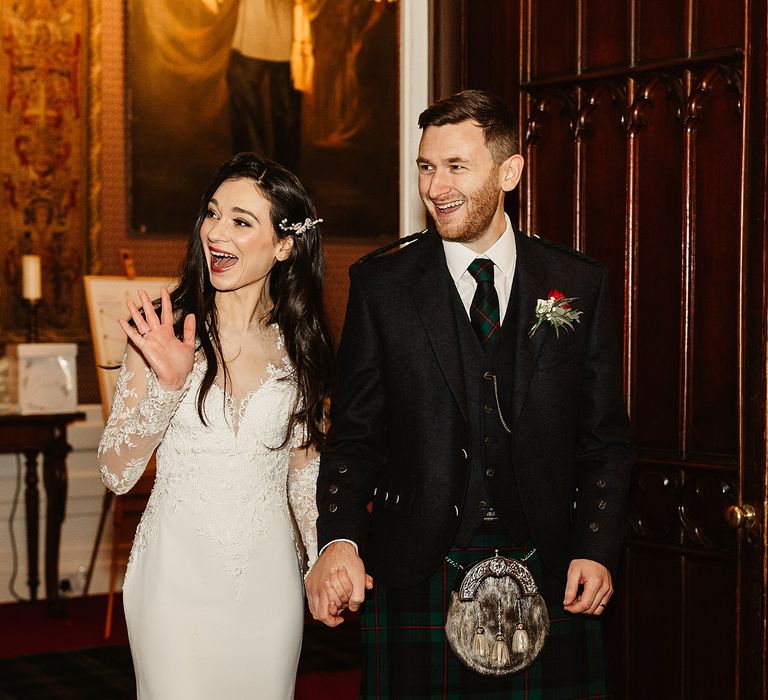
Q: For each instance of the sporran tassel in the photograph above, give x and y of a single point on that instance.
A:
(500, 651)
(520, 640)
(500, 648)
(520, 637)
(480, 643)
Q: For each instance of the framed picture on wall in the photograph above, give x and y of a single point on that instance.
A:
(106, 297)
(312, 84)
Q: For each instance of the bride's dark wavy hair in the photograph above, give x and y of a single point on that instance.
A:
(295, 288)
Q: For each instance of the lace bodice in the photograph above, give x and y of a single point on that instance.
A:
(227, 473)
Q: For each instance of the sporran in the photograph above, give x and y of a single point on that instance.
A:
(497, 621)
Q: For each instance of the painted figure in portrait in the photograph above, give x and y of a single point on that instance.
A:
(309, 83)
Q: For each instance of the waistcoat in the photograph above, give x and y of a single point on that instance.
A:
(490, 445)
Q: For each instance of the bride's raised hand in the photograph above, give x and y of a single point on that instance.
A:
(171, 359)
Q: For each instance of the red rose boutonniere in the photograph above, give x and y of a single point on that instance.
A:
(556, 309)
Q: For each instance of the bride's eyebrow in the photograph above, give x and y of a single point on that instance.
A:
(239, 210)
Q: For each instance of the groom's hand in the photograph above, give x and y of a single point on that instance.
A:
(588, 588)
(337, 557)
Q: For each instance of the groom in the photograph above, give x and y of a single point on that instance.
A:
(457, 429)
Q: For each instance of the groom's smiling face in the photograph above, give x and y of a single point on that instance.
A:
(459, 181)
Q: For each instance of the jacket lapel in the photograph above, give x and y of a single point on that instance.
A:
(532, 285)
(432, 297)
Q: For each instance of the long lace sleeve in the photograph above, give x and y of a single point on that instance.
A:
(302, 487)
(141, 412)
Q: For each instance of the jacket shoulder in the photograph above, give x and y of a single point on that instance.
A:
(393, 251)
(563, 253)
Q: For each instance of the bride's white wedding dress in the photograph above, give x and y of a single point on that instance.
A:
(213, 593)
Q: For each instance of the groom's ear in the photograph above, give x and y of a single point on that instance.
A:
(511, 171)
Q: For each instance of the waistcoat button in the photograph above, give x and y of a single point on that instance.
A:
(333, 508)
(333, 489)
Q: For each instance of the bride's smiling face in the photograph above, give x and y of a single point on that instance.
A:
(240, 244)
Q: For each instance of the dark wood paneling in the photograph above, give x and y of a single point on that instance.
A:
(704, 498)
(492, 35)
(715, 125)
(554, 37)
(550, 141)
(653, 504)
(654, 589)
(660, 29)
(716, 29)
(603, 142)
(711, 593)
(448, 52)
(751, 648)
(606, 33)
(657, 131)
(339, 256)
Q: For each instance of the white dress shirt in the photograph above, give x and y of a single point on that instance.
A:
(503, 253)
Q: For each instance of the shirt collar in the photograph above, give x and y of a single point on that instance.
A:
(503, 253)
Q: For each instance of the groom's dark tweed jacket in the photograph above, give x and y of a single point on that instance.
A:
(399, 431)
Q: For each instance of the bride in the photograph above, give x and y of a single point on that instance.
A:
(226, 377)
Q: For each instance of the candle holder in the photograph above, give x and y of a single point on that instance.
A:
(33, 335)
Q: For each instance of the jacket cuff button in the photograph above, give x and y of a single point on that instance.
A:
(602, 505)
(594, 527)
(343, 469)
(600, 483)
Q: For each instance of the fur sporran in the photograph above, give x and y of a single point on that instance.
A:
(497, 621)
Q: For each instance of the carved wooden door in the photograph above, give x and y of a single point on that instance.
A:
(638, 145)
(644, 126)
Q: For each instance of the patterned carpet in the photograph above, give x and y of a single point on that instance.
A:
(328, 669)
(103, 673)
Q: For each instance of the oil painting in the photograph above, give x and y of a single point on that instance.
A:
(311, 84)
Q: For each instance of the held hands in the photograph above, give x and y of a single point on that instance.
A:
(596, 591)
(336, 581)
(171, 359)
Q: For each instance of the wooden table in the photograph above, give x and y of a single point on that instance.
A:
(30, 436)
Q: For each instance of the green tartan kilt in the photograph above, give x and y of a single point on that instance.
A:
(407, 655)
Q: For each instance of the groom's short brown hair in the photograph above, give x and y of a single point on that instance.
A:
(491, 114)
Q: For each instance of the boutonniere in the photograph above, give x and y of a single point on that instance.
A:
(556, 309)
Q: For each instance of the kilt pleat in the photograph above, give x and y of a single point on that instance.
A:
(408, 656)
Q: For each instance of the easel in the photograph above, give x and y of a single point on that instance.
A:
(105, 298)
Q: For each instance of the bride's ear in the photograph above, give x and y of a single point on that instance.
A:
(284, 248)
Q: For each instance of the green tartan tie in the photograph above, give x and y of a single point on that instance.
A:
(484, 309)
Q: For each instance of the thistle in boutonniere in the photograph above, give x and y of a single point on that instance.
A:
(556, 309)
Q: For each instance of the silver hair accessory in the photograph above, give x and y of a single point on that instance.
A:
(297, 229)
